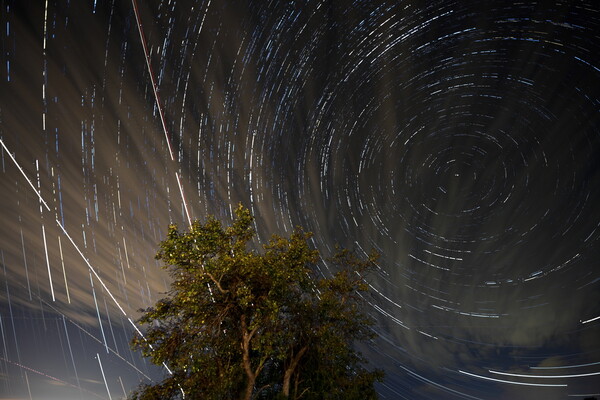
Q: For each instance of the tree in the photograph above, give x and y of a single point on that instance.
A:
(239, 324)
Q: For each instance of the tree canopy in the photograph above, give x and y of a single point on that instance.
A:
(242, 324)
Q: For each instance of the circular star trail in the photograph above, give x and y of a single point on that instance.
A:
(460, 140)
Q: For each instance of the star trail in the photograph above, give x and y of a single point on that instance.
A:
(461, 140)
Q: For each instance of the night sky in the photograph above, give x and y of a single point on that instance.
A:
(460, 139)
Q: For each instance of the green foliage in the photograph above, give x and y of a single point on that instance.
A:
(238, 324)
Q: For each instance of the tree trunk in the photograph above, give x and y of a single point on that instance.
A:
(287, 376)
(251, 377)
(246, 360)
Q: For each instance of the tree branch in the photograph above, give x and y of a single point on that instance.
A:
(212, 278)
(290, 370)
(246, 357)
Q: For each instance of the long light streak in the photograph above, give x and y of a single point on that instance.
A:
(115, 353)
(126, 259)
(159, 105)
(71, 352)
(100, 342)
(98, 314)
(3, 337)
(152, 347)
(25, 262)
(10, 309)
(187, 212)
(45, 71)
(112, 332)
(590, 320)
(28, 387)
(62, 262)
(123, 387)
(487, 378)
(23, 173)
(152, 79)
(61, 382)
(164, 125)
(48, 262)
(567, 366)
(442, 387)
(61, 226)
(544, 376)
(103, 376)
(39, 187)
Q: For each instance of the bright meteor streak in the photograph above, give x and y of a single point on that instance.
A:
(60, 225)
(159, 105)
(24, 175)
